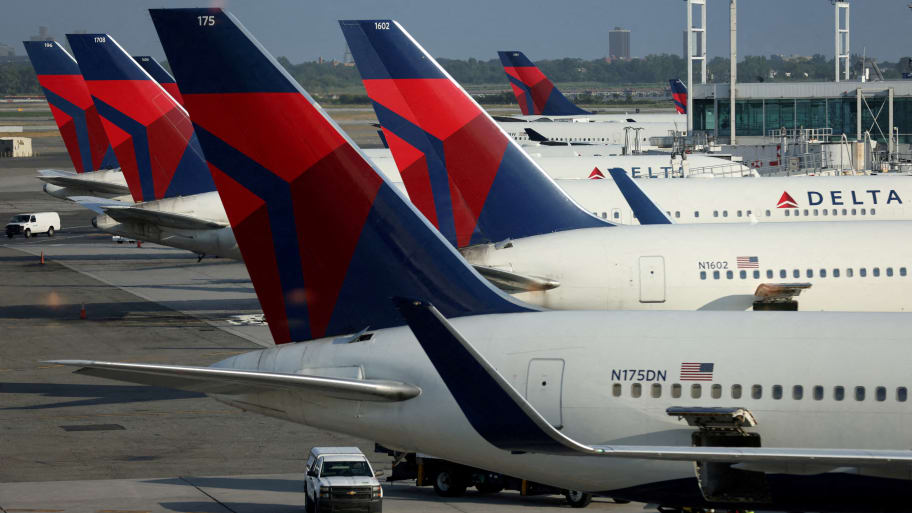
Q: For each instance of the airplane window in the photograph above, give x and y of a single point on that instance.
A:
(743, 274)
(636, 390)
(872, 210)
(616, 390)
(656, 390)
(604, 215)
(818, 393)
(696, 391)
(678, 212)
(769, 273)
(859, 393)
(838, 393)
(825, 211)
(835, 273)
(797, 212)
(702, 275)
(810, 273)
(716, 391)
(748, 213)
(805, 212)
(736, 391)
(739, 213)
(787, 213)
(767, 212)
(796, 273)
(862, 272)
(876, 271)
(797, 392)
(697, 212)
(782, 273)
(880, 393)
(668, 213)
(902, 271)
(676, 390)
(715, 213)
(901, 394)
(729, 274)
(757, 275)
(834, 211)
(823, 273)
(853, 211)
(757, 391)
(617, 215)
(889, 271)
(815, 210)
(862, 211)
(849, 272)
(777, 392)
(715, 275)
(844, 211)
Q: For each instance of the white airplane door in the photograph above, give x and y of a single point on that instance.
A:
(652, 279)
(543, 388)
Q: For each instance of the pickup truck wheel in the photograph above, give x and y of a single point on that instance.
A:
(50, 231)
(578, 499)
(448, 484)
(27, 233)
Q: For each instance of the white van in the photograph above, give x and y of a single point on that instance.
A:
(33, 224)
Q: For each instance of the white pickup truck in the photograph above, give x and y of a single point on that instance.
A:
(341, 479)
(33, 224)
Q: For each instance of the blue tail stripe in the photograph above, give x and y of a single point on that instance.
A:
(645, 210)
(386, 52)
(527, 93)
(79, 122)
(276, 193)
(51, 60)
(432, 148)
(154, 69)
(109, 161)
(515, 59)
(559, 105)
(108, 61)
(192, 175)
(140, 144)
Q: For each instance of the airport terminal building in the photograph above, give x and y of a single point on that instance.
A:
(762, 108)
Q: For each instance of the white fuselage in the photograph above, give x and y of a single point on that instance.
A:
(582, 370)
(595, 133)
(672, 118)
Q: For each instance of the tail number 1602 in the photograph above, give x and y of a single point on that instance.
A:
(381, 25)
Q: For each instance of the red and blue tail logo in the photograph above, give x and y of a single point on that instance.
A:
(161, 75)
(534, 92)
(459, 167)
(326, 239)
(679, 95)
(152, 134)
(72, 107)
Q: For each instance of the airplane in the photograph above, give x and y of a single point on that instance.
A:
(540, 99)
(505, 214)
(95, 168)
(175, 202)
(680, 409)
(679, 95)
(161, 75)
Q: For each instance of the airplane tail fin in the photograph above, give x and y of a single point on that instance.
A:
(72, 107)
(152, 134)
(462, 171)
(534, 92)
(327, 240)
(679, 95)
(161, 75)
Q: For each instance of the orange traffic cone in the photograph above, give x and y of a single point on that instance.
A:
(42, 258)
(82, 312)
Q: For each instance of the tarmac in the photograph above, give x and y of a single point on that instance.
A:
(75, 443)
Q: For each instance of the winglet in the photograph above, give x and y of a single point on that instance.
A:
(152, 134)
(465, 174)
(327, 240)
(72, 107)
(534, 92)
(644, 208)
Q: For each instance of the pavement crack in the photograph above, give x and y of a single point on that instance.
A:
(220, 503)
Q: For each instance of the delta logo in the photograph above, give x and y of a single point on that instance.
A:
(596, 174)
(839, 198)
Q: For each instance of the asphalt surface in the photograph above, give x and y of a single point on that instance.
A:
(75, 443)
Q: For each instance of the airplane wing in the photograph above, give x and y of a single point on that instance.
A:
(644, 208)
(508, 421)
(127, 214)
(512, 283)
(771, 292)
(212, 380)
(96, 204)
(64, 179)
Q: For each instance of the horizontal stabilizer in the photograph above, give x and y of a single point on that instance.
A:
(96, 204)
(501, 415)
(779, 291)
(128, 214)
(81, 181)
(513, 283)
(212, 380)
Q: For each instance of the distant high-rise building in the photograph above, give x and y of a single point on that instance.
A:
(619, 43)
(697, 47)
(43, 35)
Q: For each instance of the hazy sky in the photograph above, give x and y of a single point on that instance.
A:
(304, 30)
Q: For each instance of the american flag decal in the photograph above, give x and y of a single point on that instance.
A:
(697, 371)
(748, 262)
